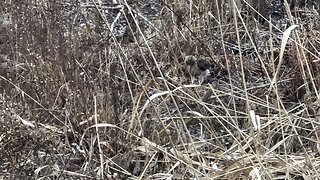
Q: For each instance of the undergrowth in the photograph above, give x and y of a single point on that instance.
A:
(159, 89)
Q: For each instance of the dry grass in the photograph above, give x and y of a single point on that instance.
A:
(188, 90)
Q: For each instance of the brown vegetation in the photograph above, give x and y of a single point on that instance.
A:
(159, 89)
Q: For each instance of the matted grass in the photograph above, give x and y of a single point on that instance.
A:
(159, 90)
